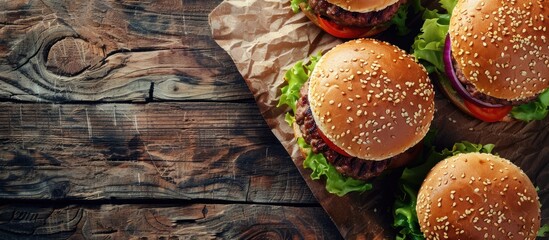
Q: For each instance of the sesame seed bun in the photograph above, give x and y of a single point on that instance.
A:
(371, 99)
(502, 46)
(361, 5)
(478, 196)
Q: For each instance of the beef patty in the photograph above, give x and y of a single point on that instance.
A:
(355, 19)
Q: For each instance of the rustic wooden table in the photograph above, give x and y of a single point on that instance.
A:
(125, 120)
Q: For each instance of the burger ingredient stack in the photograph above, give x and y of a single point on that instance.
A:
(359, 110)
(490, 55)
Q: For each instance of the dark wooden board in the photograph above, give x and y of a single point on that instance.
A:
(195, 150)
(92, 152)
(169, 222)
(65, 51)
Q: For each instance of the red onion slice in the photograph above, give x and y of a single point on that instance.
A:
(456, 84)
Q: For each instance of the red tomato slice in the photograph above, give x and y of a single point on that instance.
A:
(341, 31)
(487, 114)
(332, 145)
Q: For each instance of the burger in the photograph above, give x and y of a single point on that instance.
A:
(478, 196)
(494, 57)
(354, 18)
(365, 107)
(465, 192)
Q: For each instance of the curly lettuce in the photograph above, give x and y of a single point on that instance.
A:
(295, 78)
(543, 231)
(335, 182)
(404, 209)
(428, 49)
(295, 5)
(399, 20)
(429, 44)
(536, 110)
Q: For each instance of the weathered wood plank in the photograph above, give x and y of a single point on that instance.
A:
(62, 51)
(193, 150)
(185, 221)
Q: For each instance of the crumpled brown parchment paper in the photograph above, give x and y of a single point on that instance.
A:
(265, 38)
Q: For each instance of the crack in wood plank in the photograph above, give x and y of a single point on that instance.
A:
(235, 160)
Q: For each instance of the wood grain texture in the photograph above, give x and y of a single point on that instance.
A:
(64, 51)
(73, 130)
(219, 151)
(169, 222)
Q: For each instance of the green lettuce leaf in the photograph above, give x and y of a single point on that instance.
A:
(399, 19)
(543, 230)
(295, 77)
(405, 216)
(335, 182)
(295, 5)
(536, 110)
(429, 44)
(448, 5)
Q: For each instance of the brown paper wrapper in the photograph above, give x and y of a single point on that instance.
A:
(265, 38)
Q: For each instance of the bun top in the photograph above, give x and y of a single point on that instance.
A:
(478, 196)
(371, 99)
(502, 46)
(361, 5)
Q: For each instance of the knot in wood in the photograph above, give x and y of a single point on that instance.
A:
(71, 56)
